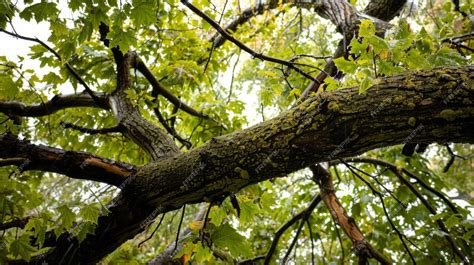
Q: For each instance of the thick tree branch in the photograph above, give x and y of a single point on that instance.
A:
(58, 102)
(332, 125)
(78, 165)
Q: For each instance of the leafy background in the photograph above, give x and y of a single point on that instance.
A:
(237, 91)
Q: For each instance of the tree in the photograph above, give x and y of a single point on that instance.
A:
(155, 126)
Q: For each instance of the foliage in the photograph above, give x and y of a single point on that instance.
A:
(235, 93)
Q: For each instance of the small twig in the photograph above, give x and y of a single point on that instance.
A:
(424, 201)
(294, 241)
(302, 215)
(378, 194)
(171, 130)
(312, 240)
(156, 228)
(115, 129)
(205, 222)
(179, 228)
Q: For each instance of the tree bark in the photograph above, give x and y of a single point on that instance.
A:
(435, 105)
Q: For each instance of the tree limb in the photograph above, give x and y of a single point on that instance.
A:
(58, 102)
(78, 165)
(329, 126)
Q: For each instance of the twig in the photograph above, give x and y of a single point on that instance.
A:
(312, 240)
(179, 228)
(375, 192)
(427, 205)
(294, 241)
(115, 129)
(69, 67)
(156, 228)
(302, 215)
(229, 37)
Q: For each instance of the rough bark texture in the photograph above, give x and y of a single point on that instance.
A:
(80, 165)
(428, 106)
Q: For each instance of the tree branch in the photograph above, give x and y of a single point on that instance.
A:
(20, 223)
(157, 143)
(239, 44)
(158, 89)
(69, 67)
(347, 223)
(303, 216)
(329, 126)
(115, 129)
(58, 102)
(425, 202)
(78, 165)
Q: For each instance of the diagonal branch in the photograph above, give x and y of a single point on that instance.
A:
(362, 247)
(424, 201)
(69, 67)
(241, 45)
(78, 165)
(158, 89)
(303, 216)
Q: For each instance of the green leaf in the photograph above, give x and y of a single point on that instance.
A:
(84, 230)
(467, 236)
(90, 213)
(8, 88)
(348, 67)
(41, 11)
(366, 28)
(143, 12)
(21, 248)
(123, 39)
(452, 221)
(227, 237)
(365, 84)
(66, 218)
